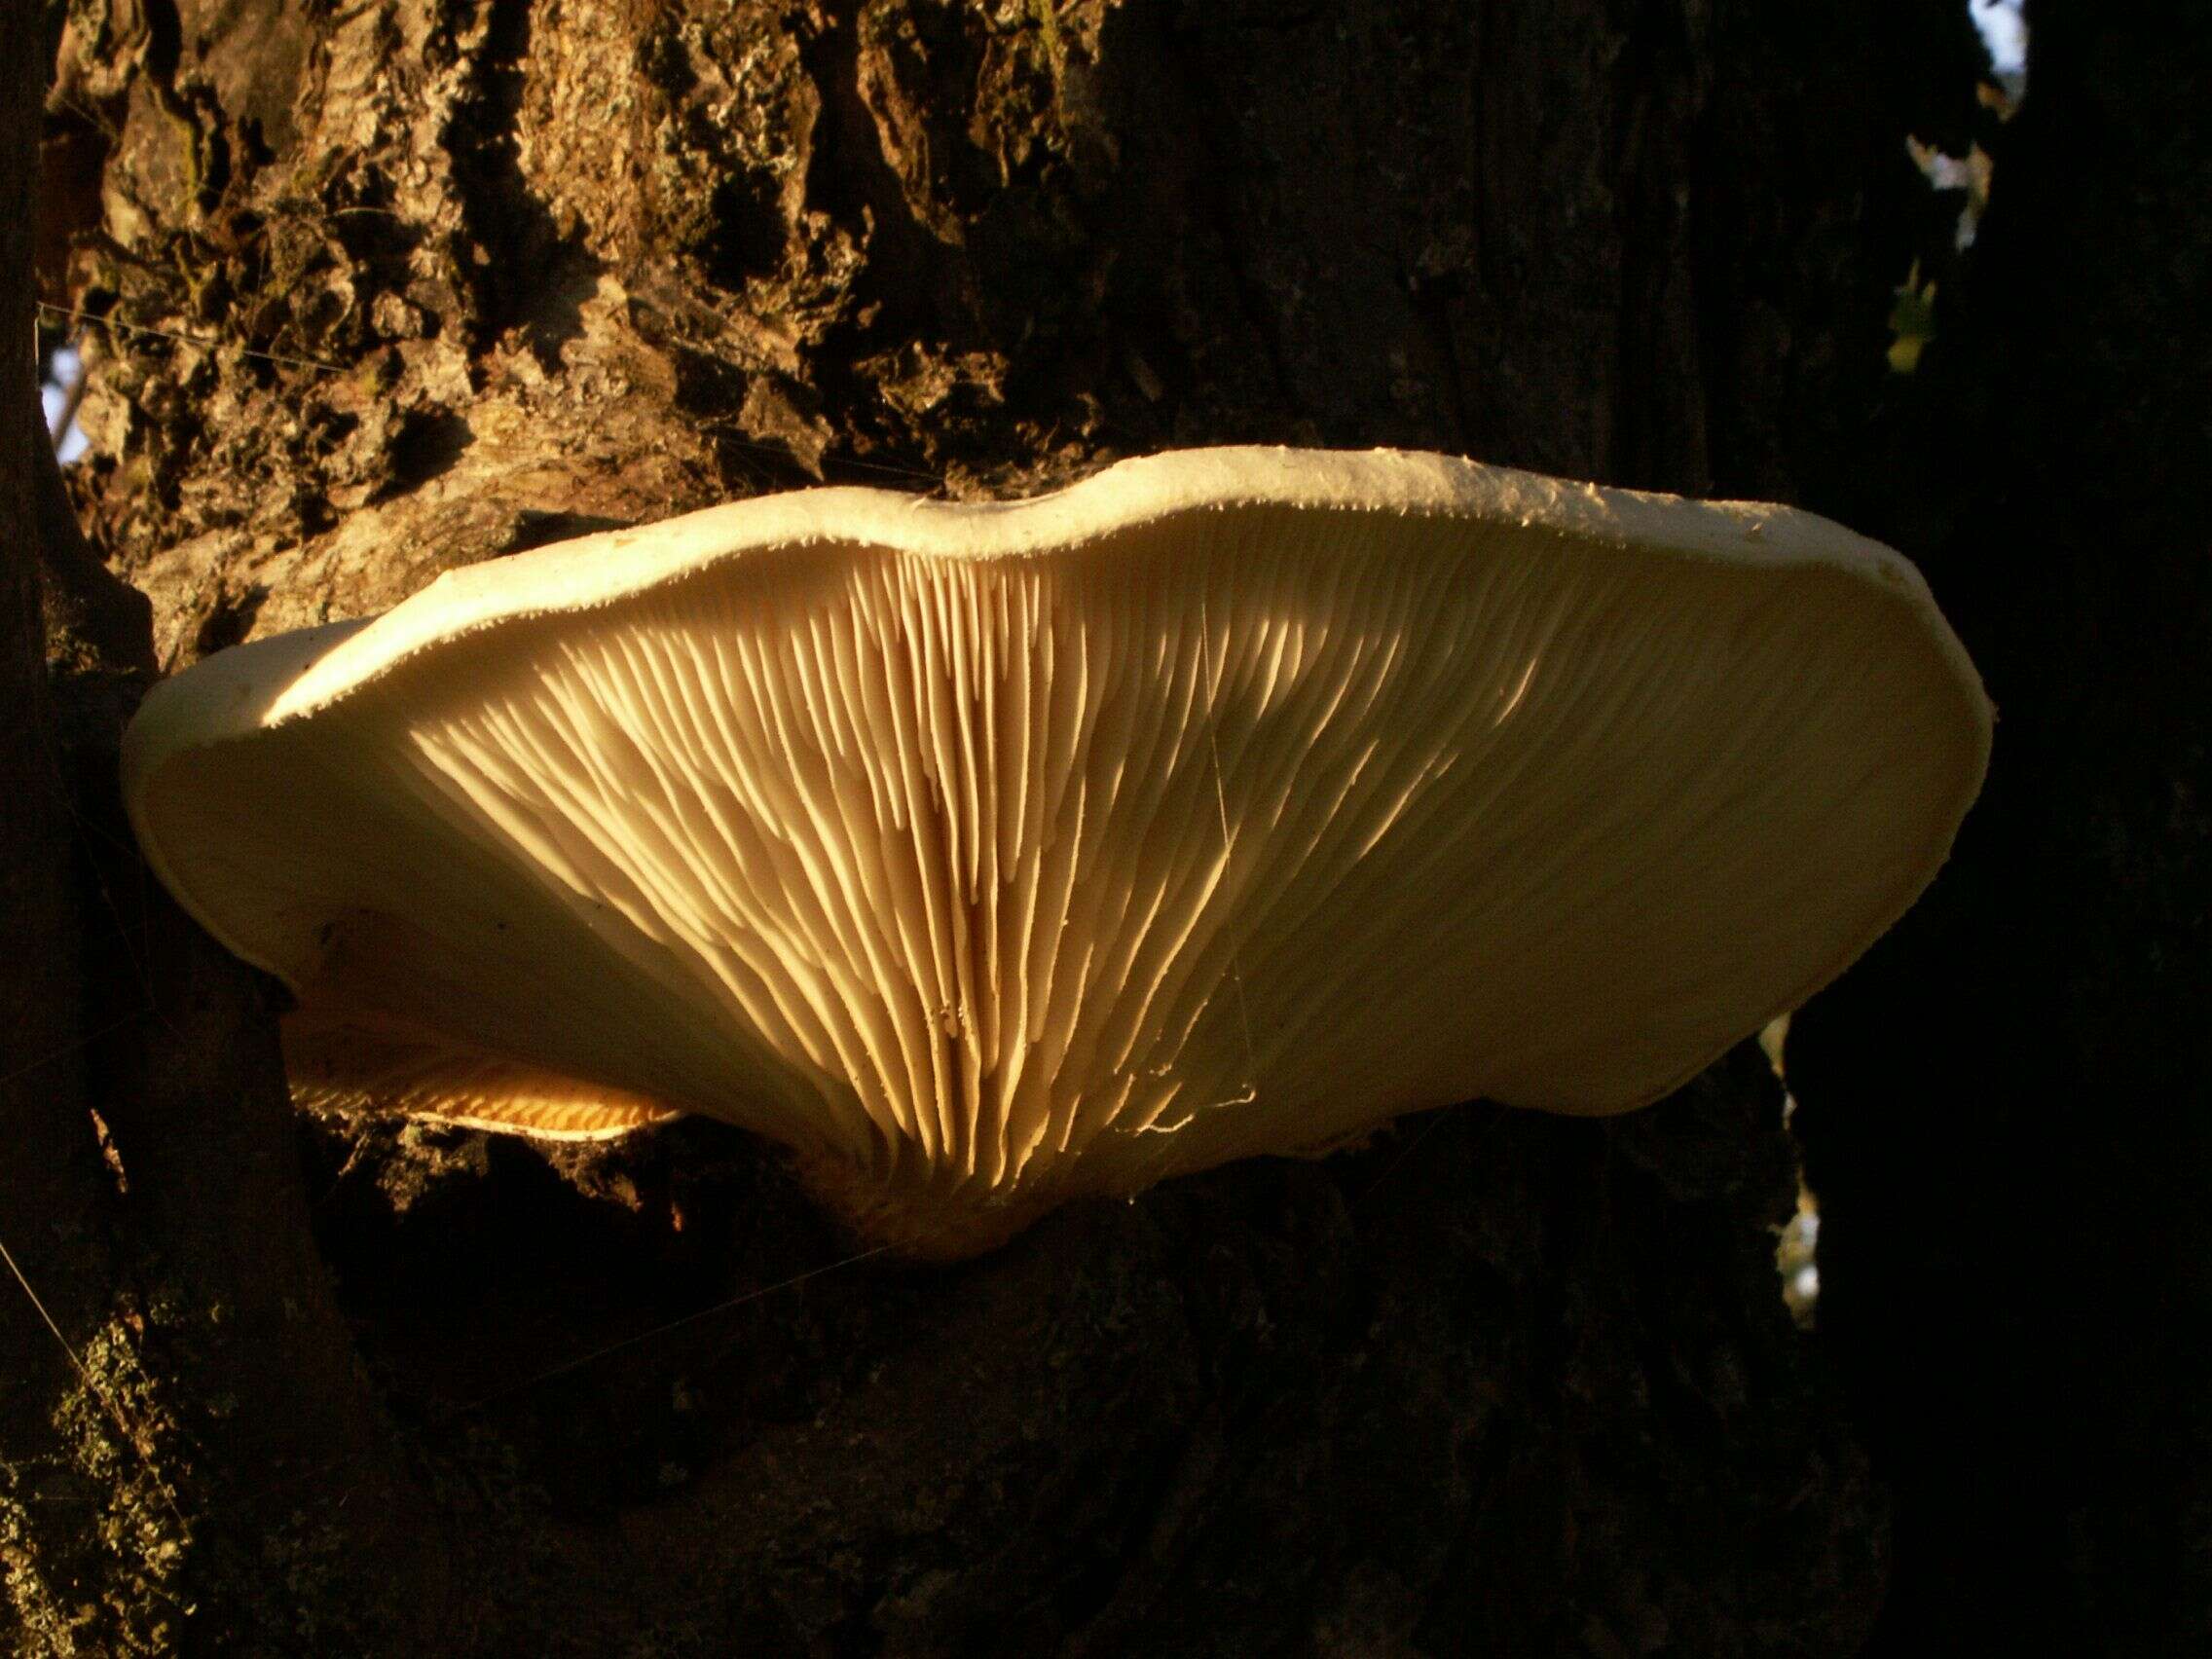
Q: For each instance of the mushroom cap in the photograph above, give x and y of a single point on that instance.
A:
(1230, 802)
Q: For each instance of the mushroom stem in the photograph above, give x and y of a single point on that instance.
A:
(923, 1223)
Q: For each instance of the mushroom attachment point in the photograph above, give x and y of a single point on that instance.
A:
(1229, 802)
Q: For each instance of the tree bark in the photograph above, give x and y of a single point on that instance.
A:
(172, 1365)
(435, 280)
(2014, 1240)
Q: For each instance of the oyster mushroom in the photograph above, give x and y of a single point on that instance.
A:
(1231, 801)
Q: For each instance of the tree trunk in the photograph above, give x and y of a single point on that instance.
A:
(393, 287)
(2014, 1240)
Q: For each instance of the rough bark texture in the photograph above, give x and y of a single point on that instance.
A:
(45, 1219)
(440, 280)
(171, 1360)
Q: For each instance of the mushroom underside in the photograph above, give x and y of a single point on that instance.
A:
(982, 882)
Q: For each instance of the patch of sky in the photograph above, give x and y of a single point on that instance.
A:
(58, 396)
(2003, 28)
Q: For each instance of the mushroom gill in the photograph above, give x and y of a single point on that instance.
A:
(1229, 802)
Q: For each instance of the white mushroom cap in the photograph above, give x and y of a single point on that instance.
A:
(1232, 801)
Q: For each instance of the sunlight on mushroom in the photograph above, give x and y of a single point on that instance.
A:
(1229, 802)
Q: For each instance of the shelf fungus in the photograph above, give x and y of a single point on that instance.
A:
(1229, 802)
